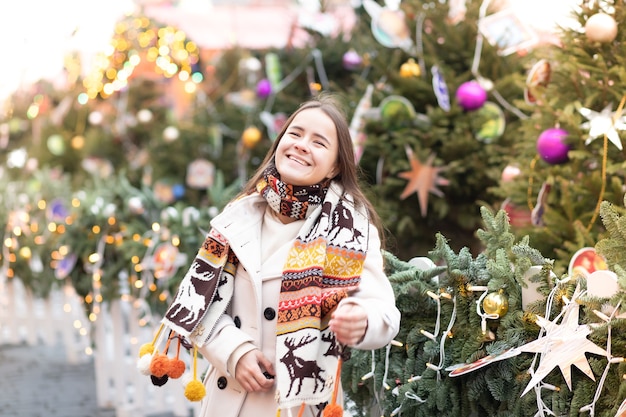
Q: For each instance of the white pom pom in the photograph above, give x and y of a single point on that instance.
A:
(143, 364)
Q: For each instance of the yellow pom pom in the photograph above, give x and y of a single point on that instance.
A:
(145, 349)
(195, 391)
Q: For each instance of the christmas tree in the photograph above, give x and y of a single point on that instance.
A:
(436, 137)
(484, 335)
(571, 157)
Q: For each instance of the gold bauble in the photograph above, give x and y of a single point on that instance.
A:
(78, 142)
(251, 136)
(496, 303)
(410, 69)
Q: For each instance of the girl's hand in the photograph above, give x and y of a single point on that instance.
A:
(349, 323)
(255, 372)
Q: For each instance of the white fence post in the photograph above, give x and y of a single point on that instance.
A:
(8, 314)
(117, 336)
(25, 318)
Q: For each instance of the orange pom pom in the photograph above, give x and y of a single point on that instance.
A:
(333, 410)
(195, 391)
(145, 349)
(160, 365)
(176, 369)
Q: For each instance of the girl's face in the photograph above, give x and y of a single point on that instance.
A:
(307, 152)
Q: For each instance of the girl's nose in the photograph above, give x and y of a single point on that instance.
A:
(302, 146)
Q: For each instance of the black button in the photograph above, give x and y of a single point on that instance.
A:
(269, 313)
(222, 382)
(237, 322)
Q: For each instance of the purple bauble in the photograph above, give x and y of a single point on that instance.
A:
(471, 95)
(351, 60)
(264, 88)
(552, 147)
(57, 211)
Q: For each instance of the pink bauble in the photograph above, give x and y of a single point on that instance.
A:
(471, 95)
(509, 173)
(552, 147)
(351, 60)
(264, 88)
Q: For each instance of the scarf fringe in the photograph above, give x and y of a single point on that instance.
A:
(333, 409)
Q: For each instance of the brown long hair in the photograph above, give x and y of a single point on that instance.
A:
(348, 170)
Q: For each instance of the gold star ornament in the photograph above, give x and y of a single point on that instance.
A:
(423, 179)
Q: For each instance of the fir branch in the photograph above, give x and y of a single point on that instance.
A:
(522, 250)
(442, 250)
(500, 271)
(496, 233)
(612, 247)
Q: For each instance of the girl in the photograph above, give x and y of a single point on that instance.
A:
(289, 277)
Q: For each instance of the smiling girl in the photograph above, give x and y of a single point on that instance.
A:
(290, 277)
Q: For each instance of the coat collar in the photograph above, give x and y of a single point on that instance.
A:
(240, 223)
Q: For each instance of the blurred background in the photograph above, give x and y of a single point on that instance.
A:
(126, 126)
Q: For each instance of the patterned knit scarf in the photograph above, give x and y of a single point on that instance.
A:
(289, 200)
(323, 265)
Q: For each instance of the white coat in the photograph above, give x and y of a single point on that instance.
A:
(251, 317)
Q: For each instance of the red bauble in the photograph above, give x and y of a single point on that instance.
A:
(471, 95)
(552, 147)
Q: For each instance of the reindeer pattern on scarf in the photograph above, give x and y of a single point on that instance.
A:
(211, 269)
(323, 266)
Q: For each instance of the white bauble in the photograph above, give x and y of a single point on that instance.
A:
(601, 28)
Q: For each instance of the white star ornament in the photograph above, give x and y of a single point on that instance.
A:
(603, 123)
(564, 345)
